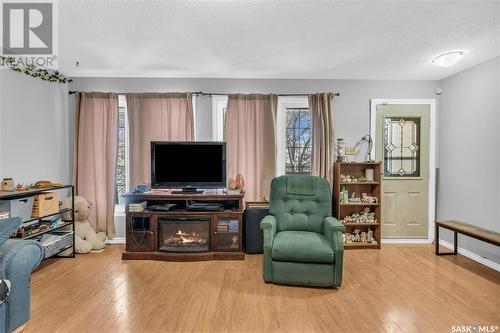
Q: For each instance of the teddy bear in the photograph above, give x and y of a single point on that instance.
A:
(86, 239)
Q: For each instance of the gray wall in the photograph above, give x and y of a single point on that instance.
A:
(469, 142)
(352, 116)
(34, 129)
(351, 109)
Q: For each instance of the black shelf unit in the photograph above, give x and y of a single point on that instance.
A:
(64, 224)
(34, 191)
(62, 211)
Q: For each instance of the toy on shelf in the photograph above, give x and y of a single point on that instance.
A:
(341, 157)
(354, 198)
(22, 187)
(360, 237)
(369, 236)
(356, 236)
(352, 179)
(365, 198)
(347, 238)
(366, 216)
(344, 195)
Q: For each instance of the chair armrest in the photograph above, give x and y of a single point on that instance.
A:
(331, 224)
(268, 226)
(18, 258)
(333, 230)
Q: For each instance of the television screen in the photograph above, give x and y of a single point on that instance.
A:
(188, 164)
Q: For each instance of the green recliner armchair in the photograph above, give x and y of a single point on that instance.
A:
(303, 244)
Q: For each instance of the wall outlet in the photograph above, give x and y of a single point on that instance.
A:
(350, 150)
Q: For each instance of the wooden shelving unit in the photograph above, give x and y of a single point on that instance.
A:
(372, 188)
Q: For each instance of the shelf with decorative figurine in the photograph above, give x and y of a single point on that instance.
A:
(356, 195)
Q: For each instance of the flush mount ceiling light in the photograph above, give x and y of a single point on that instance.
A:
(448, 59)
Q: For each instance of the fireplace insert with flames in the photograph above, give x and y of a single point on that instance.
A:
(184, 234)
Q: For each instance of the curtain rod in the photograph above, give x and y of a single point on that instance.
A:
(221, 94)
(201, 93)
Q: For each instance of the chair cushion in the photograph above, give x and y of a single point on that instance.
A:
(297, 184)
(300, 202)
(301, 246)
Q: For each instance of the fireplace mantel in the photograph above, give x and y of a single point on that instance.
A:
(148, 239)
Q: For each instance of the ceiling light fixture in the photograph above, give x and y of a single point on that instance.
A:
(448, 59)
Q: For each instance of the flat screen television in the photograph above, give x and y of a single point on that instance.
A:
(188, 165)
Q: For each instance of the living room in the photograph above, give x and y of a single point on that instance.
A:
(250, 166)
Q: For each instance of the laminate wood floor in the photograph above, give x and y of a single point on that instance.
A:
(398, 288)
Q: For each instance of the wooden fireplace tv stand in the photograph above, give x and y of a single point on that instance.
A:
(181, 233)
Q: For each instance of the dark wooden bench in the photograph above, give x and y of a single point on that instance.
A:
(466, 229)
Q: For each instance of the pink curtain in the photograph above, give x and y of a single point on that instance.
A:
(96, 146)
(251, 145)
(155, 117)
(322, 133)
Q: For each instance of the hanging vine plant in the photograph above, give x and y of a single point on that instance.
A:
(34, 71)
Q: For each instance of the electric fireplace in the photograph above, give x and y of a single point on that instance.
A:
(183, 234)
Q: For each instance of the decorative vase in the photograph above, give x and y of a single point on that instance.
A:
(369, 175)
(340, 150)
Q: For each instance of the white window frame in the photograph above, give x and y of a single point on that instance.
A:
(120, 208)
(285, 102)
(218, 105)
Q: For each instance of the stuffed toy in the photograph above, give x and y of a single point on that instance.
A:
(86, 239)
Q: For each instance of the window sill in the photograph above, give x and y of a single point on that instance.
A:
(120, 210)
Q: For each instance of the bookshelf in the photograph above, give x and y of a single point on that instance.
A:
(358, 184)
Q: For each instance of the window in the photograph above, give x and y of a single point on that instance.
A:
(402, 147)
(121, 163)
(219, 107)
(298, 141)
(293, 136)
(293, 132)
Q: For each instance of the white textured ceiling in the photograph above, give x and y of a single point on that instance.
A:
(275, 39)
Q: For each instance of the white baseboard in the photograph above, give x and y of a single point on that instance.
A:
(406, 241)
(116, 240)
(462, 251)
(472, 255)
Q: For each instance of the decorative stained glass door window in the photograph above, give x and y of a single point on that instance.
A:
(401, 147)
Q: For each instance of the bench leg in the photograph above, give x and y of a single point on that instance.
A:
(436, 243)
(436, 239)
(455, 246)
